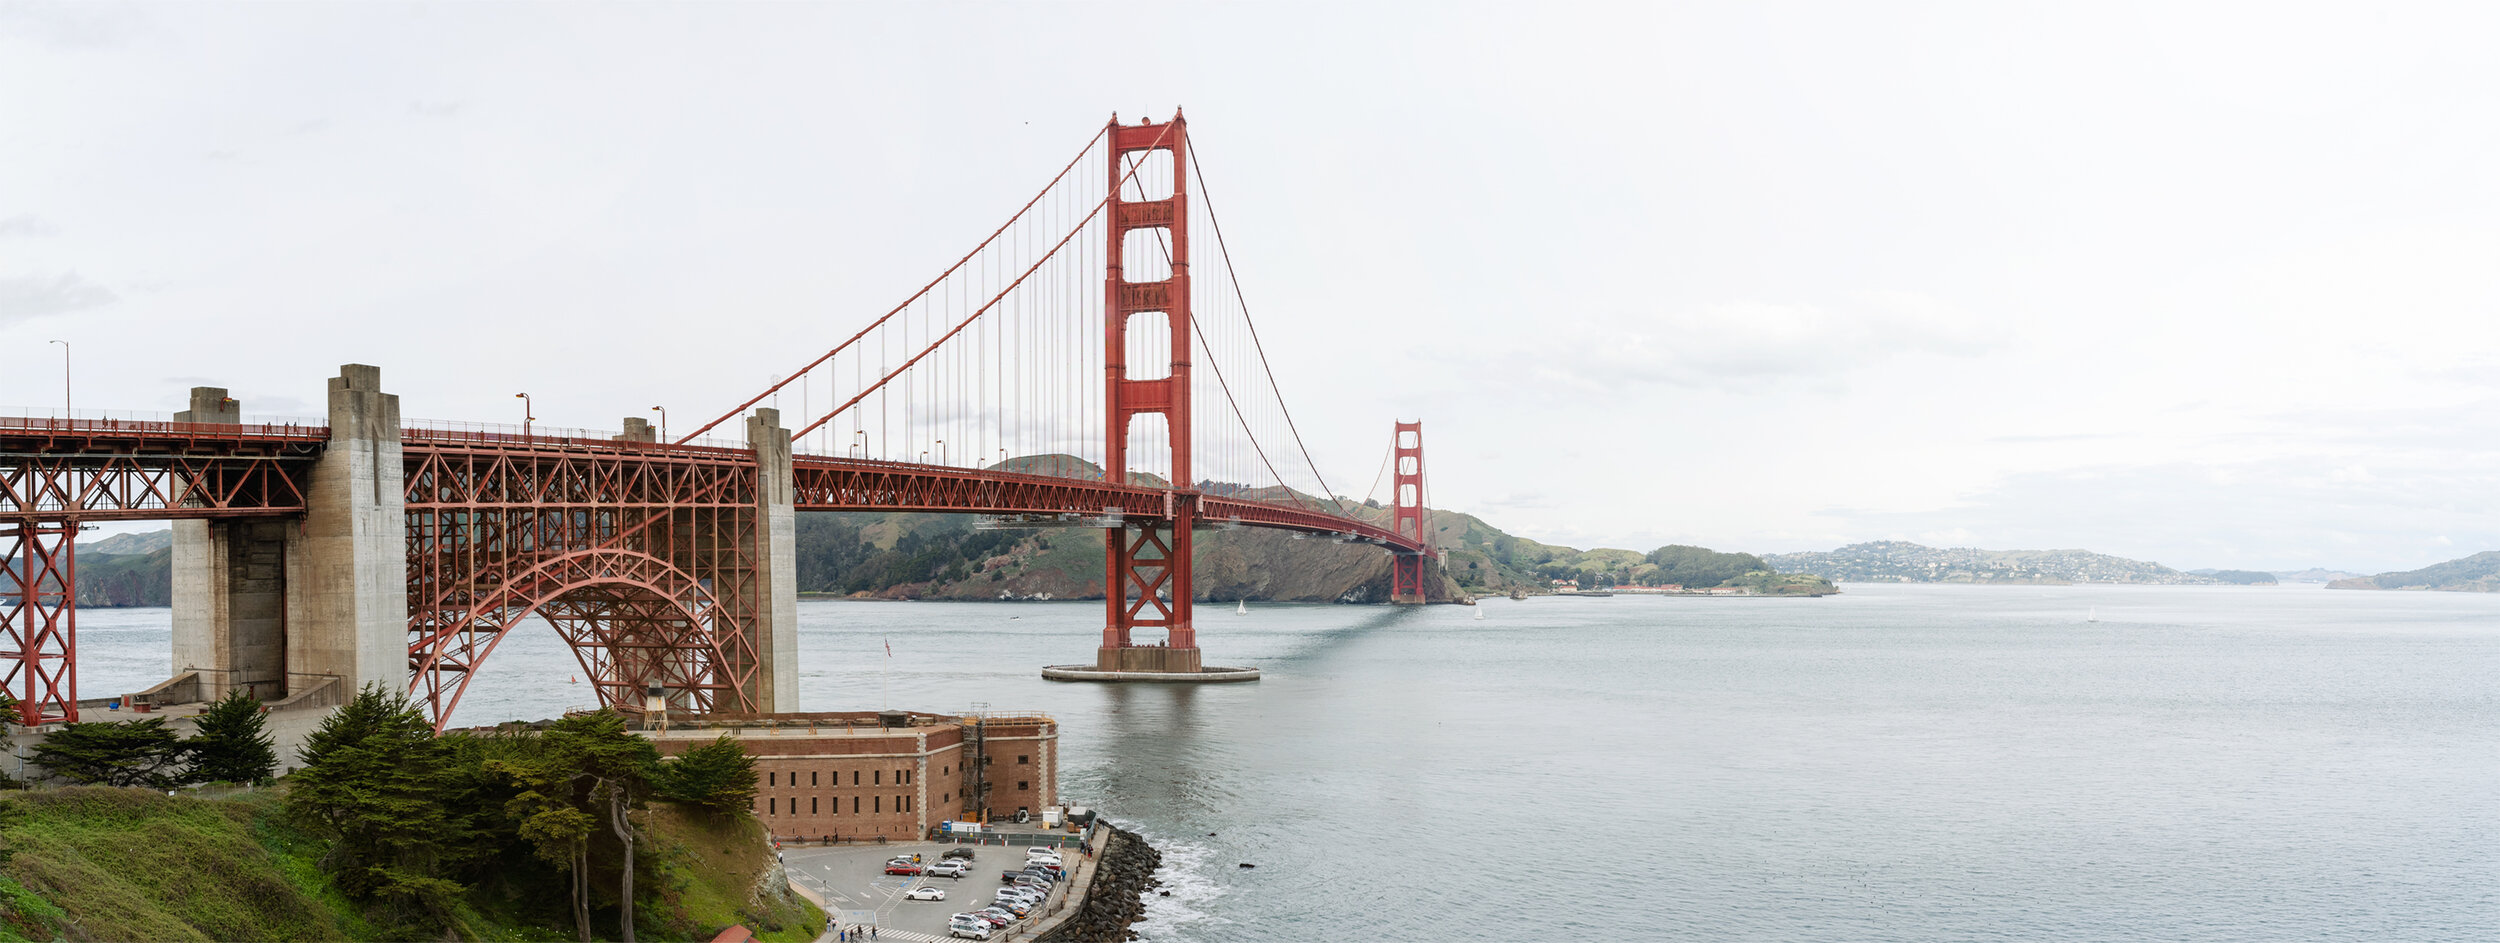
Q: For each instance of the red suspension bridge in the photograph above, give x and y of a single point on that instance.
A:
(1050, 377)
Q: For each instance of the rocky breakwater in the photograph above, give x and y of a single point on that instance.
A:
(1117, 896)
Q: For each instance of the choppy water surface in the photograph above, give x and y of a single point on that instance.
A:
(1895, 763)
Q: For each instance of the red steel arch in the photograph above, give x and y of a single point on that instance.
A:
(631, 619)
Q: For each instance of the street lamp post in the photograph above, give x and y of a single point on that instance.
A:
(862, 444)
(65, 407)
(941, 444)
(528, 412)
(663, 411)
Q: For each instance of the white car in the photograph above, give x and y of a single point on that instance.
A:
(968, 930)
(925, 893)
(948, 869)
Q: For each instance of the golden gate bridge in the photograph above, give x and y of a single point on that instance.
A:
(1049, 377)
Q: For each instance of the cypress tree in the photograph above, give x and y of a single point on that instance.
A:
(232, 744)
(718, 776)
(115, 753)
(372, 781)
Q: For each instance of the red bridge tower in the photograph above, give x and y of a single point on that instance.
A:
(1148, 560)
(1407, 517)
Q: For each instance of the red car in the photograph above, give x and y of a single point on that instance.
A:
(902, 867)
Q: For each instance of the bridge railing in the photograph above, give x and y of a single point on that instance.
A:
(453, 432)
(120, 423)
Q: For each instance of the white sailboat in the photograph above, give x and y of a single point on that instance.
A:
(1479, 612)
(1241, 607)
(2093, 615)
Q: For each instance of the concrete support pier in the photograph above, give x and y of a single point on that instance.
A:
(1200, 676)
(284, 607)
(230, 588)
(354, 595)
(777, 566)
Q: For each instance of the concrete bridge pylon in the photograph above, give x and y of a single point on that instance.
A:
(282, 606)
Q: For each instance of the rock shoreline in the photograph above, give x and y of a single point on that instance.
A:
(1117, 897)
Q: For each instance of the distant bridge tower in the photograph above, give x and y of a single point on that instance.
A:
(1147, 560)
(1407, 516)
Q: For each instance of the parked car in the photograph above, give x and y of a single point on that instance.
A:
(1021, 893)
(1016, 906)
(958, 852)
(925, 893)
(969, 929)
(997, 916)
(947, 869)
(901, 867)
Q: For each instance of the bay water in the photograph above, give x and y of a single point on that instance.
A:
(1912, 763)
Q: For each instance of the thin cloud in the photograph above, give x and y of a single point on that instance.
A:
(1747, 343)
(24, 224)
(35, 296)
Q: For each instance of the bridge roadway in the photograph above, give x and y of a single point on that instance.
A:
(98, 470)
(312, 559)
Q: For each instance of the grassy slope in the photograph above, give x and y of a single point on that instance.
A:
(722, 863)
(96, 863)
(126, 864)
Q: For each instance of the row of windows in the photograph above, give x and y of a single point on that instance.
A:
(902, 777)
(773, 806)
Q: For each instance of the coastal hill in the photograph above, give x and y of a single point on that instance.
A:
(2313, 574)
(952, 556)
(2479, 573)
(1895, 561)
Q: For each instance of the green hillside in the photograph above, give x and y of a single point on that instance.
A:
(2479, 573)
(101, 863)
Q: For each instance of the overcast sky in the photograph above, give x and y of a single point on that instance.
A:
(2213, 285)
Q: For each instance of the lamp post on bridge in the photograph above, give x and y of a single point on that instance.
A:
(941, 444)
(528, 412)
(65, 406)
(663, 411)
(862, 444)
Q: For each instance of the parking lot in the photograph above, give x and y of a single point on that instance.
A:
(852, 880)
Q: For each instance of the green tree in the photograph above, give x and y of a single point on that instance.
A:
(718, 776)
(589, 772)
(115, 753)
(232, 744)
(556, 828)
(372, 781)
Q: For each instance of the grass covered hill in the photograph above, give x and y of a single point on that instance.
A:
(2479, 573)
(104, 863)
(1897, 561)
